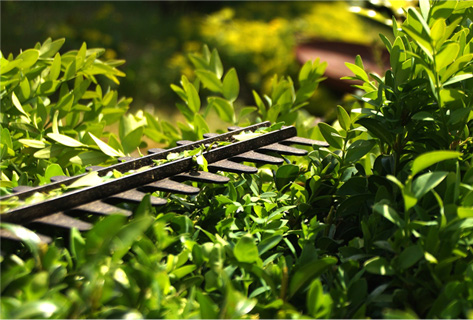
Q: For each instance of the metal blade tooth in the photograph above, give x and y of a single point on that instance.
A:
(136, 196)
(99, 208)
(59, 178)
(63, 221)
(167, 185)
(94, 168)
(155, 150)
(201, 176)
(124, 159)
(233, 128)
(252, 156)
(282, 149)
(210, 135)
(184, 142)
(21, 189)
(230, 166)
(7, 235)
(304, 142)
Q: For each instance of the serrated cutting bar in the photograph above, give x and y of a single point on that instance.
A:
(168, 177)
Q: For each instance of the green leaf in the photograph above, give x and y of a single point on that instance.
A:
(379, 265)
(193, 99)
(458, 65)
(31, 239)
(224, 108)
(286, 174)
(29, 58)
(90, 179)
(358, 72)
(246, 250)
(132, 140)
(389, 213)
(448, 53)
(18, 105)
(269, 243)
(427, 182)
(208, 309)
(106, 148)
(331, 135)
(430, 158)
(89, 158)
(458, 78)
(65, 140)
(53, 170)
(32, 143)
(231, 86)
(308, 272)
(210, 80)
(50, 48)
(343, 118)
(358, 149)
(410, 256)
(377, 130)
(216, 64)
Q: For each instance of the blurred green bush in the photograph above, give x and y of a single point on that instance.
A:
(156, 37)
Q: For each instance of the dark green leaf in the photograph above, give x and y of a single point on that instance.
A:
(308, 272)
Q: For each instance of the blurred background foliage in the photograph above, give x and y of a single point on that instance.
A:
(257, 38)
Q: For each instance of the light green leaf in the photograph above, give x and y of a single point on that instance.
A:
(210, 80)
(458, 78)
(50, 48)
(65, 140)
(106, 148)
(55, 68)
(231, 86)
(343, 118)
(246, 250)
(193, 99)
(216, 64)
(430, 158)
(90, 179)
(224, 108)
(29, 58)
(427, 182)
(458, 65)
(18, 105)
(359, 72)
(32, 143)
(448, 53)
(89, 158)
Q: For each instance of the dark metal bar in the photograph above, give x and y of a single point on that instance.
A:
(168, 185)
(283, 149)
(252, 156)
(140, 162)
(62, 221)
(304, 142)
(134, 180)
(230, 166)
(201, 176)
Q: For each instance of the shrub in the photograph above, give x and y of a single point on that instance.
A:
(377, 225)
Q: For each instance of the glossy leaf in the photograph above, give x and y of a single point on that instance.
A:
(308, 272)
(331, 135)
(430, 158)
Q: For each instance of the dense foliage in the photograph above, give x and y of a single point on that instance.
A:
(378, 225)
